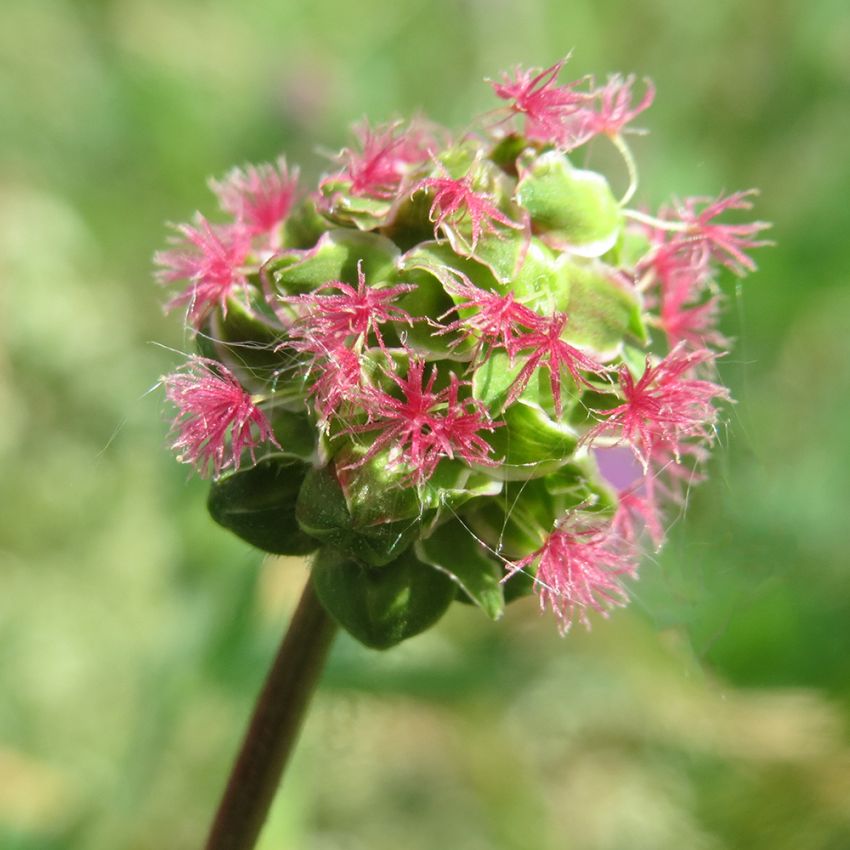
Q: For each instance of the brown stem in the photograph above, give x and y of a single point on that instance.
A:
(274, 727)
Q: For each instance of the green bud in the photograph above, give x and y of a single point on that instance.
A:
(323, 513)
(258, 505)
(381, 607)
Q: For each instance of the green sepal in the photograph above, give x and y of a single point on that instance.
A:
(427, 301)
(381, 608)
(334, 257)
(411, 224)
(304, 226)
(574, 208)
(453, 549)
(632, 246)
(342, 207)
(518, 522)
(531, 443)
(494, 378)
(506, 152)
(438, 259)
(258, 505)
(294, 431)
(602, 309)
(380, 491)
(322, 512)
(243, 337)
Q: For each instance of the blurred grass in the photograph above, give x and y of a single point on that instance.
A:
(133, 634)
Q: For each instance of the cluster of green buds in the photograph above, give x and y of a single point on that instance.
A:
(459, 369)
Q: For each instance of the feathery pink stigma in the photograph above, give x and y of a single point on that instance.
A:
(386, 157)
(424, 426)
(333, 319)
(725, 243)
(259, 197)
(339, 380)
(211, 258)
(547, 107)
(663, 407)
(456, 199)
(216, 419)
(498, 317)
(683, 320)
(549, 351)
(578, 569)
(636, 511)
(614, 105)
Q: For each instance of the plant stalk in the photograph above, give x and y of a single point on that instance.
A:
(274, 726)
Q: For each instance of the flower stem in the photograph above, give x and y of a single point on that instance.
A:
(274, 726)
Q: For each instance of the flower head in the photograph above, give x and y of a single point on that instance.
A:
(496, 272)
(578, 569)
(217, 420)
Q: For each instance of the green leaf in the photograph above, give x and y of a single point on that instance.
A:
(322, 512)
(455, 551)
(335, 257)
(575, 208)
(258, 505)
(531, 443)
(381, 608)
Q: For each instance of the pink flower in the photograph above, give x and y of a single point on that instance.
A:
(579, 568)
(497, 320)
(259, 197)
(333, 319)
(424, 426)
(663, 407)
(217, 419)
(386, 157)
(211, 258)
(614, 106)
(684, 320)
(549, 351)
(636, 510)
(549, 109)
(725, 243)
(340, 380)
(456, 200)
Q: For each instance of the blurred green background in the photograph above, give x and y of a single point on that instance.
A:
(712, 714)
